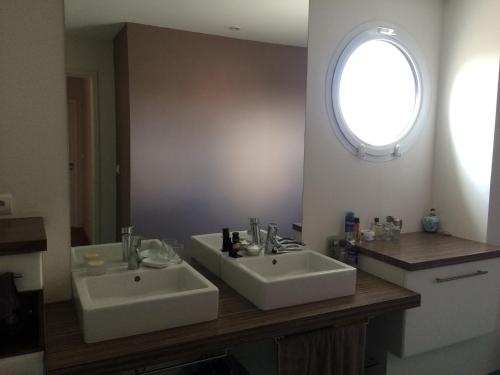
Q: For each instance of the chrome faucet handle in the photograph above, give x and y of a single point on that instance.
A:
(276, 246)
(134, 256)
(138, 255)
(128, 229)
(135, 243)
(271, 243)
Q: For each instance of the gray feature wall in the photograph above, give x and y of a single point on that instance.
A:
(216, 132)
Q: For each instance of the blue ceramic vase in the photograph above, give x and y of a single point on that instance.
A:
(431, 222)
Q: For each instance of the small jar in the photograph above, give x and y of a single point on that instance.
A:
(91, 256)
(96, 267)
(388, 231)
(367, 235)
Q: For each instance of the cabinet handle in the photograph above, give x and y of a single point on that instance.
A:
(458, 277)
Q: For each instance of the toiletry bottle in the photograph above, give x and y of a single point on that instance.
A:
(236, 241)
(351, 257)
(349, 226)
(398, 224)
(389, 228)
(377, 228)
(342, 252)
(235, 246)
(357, 230)
(350, 253)
(226, 240)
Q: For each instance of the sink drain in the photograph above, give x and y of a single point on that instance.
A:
(275, 261)
(137, 279)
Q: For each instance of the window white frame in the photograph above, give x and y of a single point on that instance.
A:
(384, 31)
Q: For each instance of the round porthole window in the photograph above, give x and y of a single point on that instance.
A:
(375, 93)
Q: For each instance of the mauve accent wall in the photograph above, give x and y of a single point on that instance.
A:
(216, 132)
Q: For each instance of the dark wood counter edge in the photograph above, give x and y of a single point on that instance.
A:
(424, 265)
(182, 347)
(22, 235)
(218, 343)
(479, 251)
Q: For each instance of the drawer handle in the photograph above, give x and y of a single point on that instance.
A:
(458, 277)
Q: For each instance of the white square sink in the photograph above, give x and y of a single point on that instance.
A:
(111, 253)
(123, 303)
(206, 249)
(274, 281)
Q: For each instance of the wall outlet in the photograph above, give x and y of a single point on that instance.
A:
(6, 204)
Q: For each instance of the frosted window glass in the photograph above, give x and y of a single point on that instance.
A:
(378, 93)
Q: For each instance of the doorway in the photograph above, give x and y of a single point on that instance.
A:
(81, 159)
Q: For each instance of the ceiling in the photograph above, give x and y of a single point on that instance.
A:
(273, 21)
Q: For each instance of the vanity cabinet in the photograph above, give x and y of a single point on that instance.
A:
(239, 323)
(458, 302)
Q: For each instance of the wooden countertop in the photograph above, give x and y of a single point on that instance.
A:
(22, 235)
(418, 251)
(239, 321)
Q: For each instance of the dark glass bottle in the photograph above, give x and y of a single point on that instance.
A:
(226, 240)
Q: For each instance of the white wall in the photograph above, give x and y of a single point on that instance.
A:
(336, 181)
(466, 116)
(459, 185)
(34, 150)
(469, 207)
(95, 56)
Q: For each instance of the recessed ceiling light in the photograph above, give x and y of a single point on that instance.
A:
(234, 28)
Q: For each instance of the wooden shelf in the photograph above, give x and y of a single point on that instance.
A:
(418, 251)
(22, 235)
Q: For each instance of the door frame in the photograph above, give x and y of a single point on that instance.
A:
(75, 143)
(93, 77)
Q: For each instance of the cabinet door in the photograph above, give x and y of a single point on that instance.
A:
(458, 302)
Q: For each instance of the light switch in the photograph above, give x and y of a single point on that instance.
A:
(5, 204)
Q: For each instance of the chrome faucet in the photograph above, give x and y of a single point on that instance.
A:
(134, 258)
(280, 246)
(126, 235)
(255, 231)
(272, 244)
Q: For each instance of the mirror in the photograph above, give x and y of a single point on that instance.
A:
(188, 118)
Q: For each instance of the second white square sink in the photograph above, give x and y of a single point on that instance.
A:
(274, 281)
